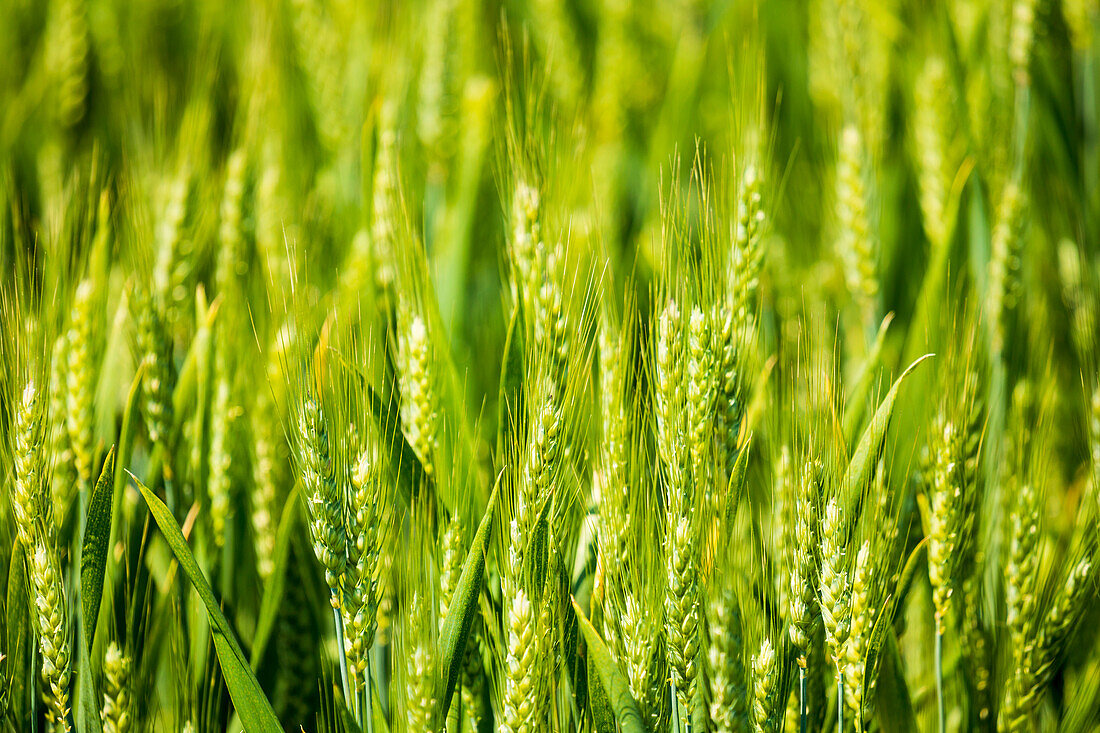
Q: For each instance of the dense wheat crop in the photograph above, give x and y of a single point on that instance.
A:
(549, 366)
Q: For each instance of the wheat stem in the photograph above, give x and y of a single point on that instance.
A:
(339, 621)
(941, 712)
(839, 702)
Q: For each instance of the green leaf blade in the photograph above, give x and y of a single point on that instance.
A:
(97, 537)
(252, 705)
(611, 677)
(460, 614)
(862, 464)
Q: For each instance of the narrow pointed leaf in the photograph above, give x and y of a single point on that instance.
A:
(536, 555)
(351, 725)
(603, 718)
(736, 485)
(611, 677)
(862, 465)
(97, 535)
(126, 440)
(460, 614)
(86, 710)
(857, 400)
(248, 698)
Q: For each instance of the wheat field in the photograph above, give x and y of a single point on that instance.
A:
(549, 366)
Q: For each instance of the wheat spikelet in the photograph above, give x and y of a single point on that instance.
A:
(28, 500)
(231, 261)
(473, 674)
(747, 262)
(613, 480)
(263, 482)
(116, 697)
(81, 379)
(155, 350)
(317, 46)
(360, 602)
(525, 241)
(646, 662)
(946, 515)
(729, 408)
(977, 640)
(53, 632)
(384, 202)
(219, 482)
(700, 397)
(728, 692)
(420, 401)
(551, 320)
(418, 688)
(935, 158)
(67, 58)
(1005, 264)
(804, 567)
(521, 681)
(856, 244)
(669, 387)
(172, 267)
(454, 554)
(1079, 15)
(1021, 39)
(432, 122)
(326, 501)
(856, 682)
(1034, 659)
(544, 454)
(271, 223)
(681, 612)
(834, 595)
(560, 45)
(1021, 566)
(64, 473)
(765, 676)
(1079, 301)
(1062, 617)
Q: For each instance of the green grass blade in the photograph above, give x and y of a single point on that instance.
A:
(347, 719)
(736, 485)
(249, 700)
(603, 717)
(97, 535)
(862, 465)
(86, 710)
(125, 443)
(861, 387)
(460, 614)
(611, 677)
